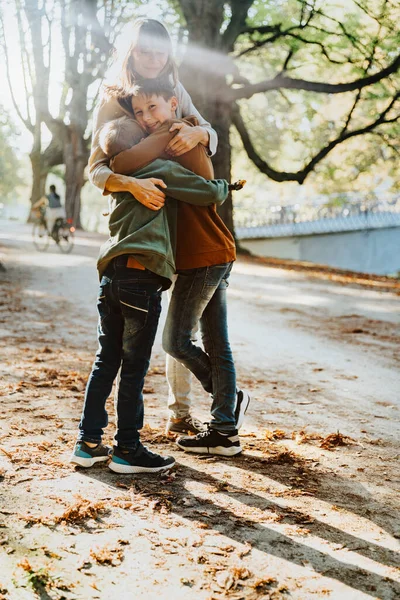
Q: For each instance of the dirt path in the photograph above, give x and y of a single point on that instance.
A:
(287, 519)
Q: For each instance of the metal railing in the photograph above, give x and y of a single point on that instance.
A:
(316, 219)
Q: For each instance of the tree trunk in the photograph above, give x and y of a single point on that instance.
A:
(201, 87)
(203, 73)
(75, 158)
(39, 176)
(222, 160)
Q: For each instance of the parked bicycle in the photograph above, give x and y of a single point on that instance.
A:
(62, 233)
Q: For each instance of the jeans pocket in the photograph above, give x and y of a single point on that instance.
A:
(212, 280)
(135, 309)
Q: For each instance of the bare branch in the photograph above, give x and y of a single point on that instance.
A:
(240, 9)
(287, 60)
(359, 93)
(260, 163)
(280, 81)
(365, 10)
(387, 141)
(95, 99)
(349, 116)
(352, 39)
(324, 51)
(277, 33)
(26, 122)
(301, 175)
(40, 86)
(25, 64)
(262, 29)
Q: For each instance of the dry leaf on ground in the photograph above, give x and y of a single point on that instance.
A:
(336, 439)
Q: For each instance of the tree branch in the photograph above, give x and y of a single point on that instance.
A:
(365, 10)
(351, 111)
(280, 81)
(301, 175)
(25, 65)
(28, 124)
(240, 9)
(324, 51)
(384, 137)
(277, 33)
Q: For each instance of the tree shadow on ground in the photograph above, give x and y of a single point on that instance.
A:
(265, 539)
(326, 486)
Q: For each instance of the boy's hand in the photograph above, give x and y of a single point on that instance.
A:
(238, 185)
(146, 192)
(186, 139)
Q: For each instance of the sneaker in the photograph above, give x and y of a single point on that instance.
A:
(186, 424)
(212, 441)
(140, 460)
(242, 404)
(84, 456)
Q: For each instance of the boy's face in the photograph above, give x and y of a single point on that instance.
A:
(152, 111)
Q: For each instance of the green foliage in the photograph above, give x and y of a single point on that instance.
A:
(339, 41)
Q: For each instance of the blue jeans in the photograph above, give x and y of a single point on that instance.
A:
(199, 295)
(129, 306)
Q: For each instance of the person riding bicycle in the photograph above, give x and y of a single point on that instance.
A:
(51, 203)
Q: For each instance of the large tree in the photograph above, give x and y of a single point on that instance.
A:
(271, 69)
(87, 30)
(301, 53)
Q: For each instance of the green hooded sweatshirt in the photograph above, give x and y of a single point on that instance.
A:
(151, 235)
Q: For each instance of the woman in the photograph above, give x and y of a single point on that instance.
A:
(150, 57)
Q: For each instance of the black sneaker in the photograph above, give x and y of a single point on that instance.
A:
(212, 442)
(186, 424)
(140, 460)
(84, 456)
(242, 404)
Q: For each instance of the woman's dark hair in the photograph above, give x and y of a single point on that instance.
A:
(154, 34)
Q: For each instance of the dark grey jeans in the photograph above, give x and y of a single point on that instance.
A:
(199, 295)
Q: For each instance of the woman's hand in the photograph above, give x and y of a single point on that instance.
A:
(144, 190)
(186, 138)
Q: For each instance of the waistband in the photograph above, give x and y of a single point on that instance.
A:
(118, 267)
(121, 261)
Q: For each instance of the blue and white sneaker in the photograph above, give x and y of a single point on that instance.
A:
(140, 460)
(242, 404)
(84, 456)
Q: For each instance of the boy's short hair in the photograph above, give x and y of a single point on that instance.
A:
(118, 135)
(155, 87)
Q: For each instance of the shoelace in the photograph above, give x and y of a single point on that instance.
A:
(195, 422)
(149, 453)
(203, 434)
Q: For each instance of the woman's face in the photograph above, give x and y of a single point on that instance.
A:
(149, 59)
